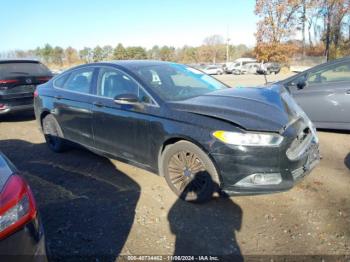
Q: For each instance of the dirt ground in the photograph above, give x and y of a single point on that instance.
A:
(94, 206)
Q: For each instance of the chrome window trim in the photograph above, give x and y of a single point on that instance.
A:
(104, 97)
(70, 72)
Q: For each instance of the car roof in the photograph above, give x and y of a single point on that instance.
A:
(136, 63)
(126, 64)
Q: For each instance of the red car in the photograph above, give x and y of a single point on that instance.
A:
(21, 232)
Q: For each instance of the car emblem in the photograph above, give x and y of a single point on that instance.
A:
(28, 81)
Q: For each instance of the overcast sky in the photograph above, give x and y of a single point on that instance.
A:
(26, 24)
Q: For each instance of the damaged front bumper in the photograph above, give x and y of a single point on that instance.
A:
(248, 170)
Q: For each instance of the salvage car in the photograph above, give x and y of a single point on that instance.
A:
(176, 121)
(21, 232)
(18, 79)
(324, 93)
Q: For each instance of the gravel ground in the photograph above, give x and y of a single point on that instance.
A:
(94, 206)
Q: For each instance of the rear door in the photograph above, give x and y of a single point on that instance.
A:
(73, 104)
(326, 97)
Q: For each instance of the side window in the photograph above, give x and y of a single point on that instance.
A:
(112, 82)
(59, 82)
(334, 73)
(79, 80)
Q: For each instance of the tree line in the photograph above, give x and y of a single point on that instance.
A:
(324, 26)
(213, 50)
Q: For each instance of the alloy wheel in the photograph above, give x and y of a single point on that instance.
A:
(185, 171)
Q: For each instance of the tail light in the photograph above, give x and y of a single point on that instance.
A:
(17, 206)
(8, 81)
(36, 93)
(5, 82)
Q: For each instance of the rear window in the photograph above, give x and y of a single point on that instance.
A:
(23, 69)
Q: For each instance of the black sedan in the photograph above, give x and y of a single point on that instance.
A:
(18, 79)
(21, 233)
(174, 120)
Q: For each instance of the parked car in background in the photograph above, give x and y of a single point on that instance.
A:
(21, 232)
(213, 70)
(324, 93)
(269, 68)
(250, 68)
(56, 72)
(18, 79)
(177, 121)
(236, 66)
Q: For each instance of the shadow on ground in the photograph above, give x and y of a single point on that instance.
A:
(87, 206)
(18, 117)
(206, 229)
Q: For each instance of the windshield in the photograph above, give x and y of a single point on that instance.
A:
(173, 82)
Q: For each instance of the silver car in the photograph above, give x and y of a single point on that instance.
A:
(324, 93)
(213, 70)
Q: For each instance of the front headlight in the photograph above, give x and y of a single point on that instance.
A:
(248, 139)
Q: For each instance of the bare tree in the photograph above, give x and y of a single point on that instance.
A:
(214, 44)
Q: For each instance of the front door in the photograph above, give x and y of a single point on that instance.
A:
(121, 130)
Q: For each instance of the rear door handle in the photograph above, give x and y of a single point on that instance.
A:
(58, 97)
(348, 92)
(97, 104)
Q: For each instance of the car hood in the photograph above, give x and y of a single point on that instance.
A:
(251, 108)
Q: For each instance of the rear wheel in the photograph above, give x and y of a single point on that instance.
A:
(53, 134)
(189, 172)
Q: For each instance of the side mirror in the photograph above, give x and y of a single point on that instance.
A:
(127, 99)
(301, 84)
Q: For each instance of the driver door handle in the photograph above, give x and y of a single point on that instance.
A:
(58, 97)
(348, 92)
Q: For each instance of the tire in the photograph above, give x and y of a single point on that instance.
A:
(189, 172)
(53, 134)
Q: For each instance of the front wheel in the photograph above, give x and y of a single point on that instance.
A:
(53, 134)
(189, 172)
